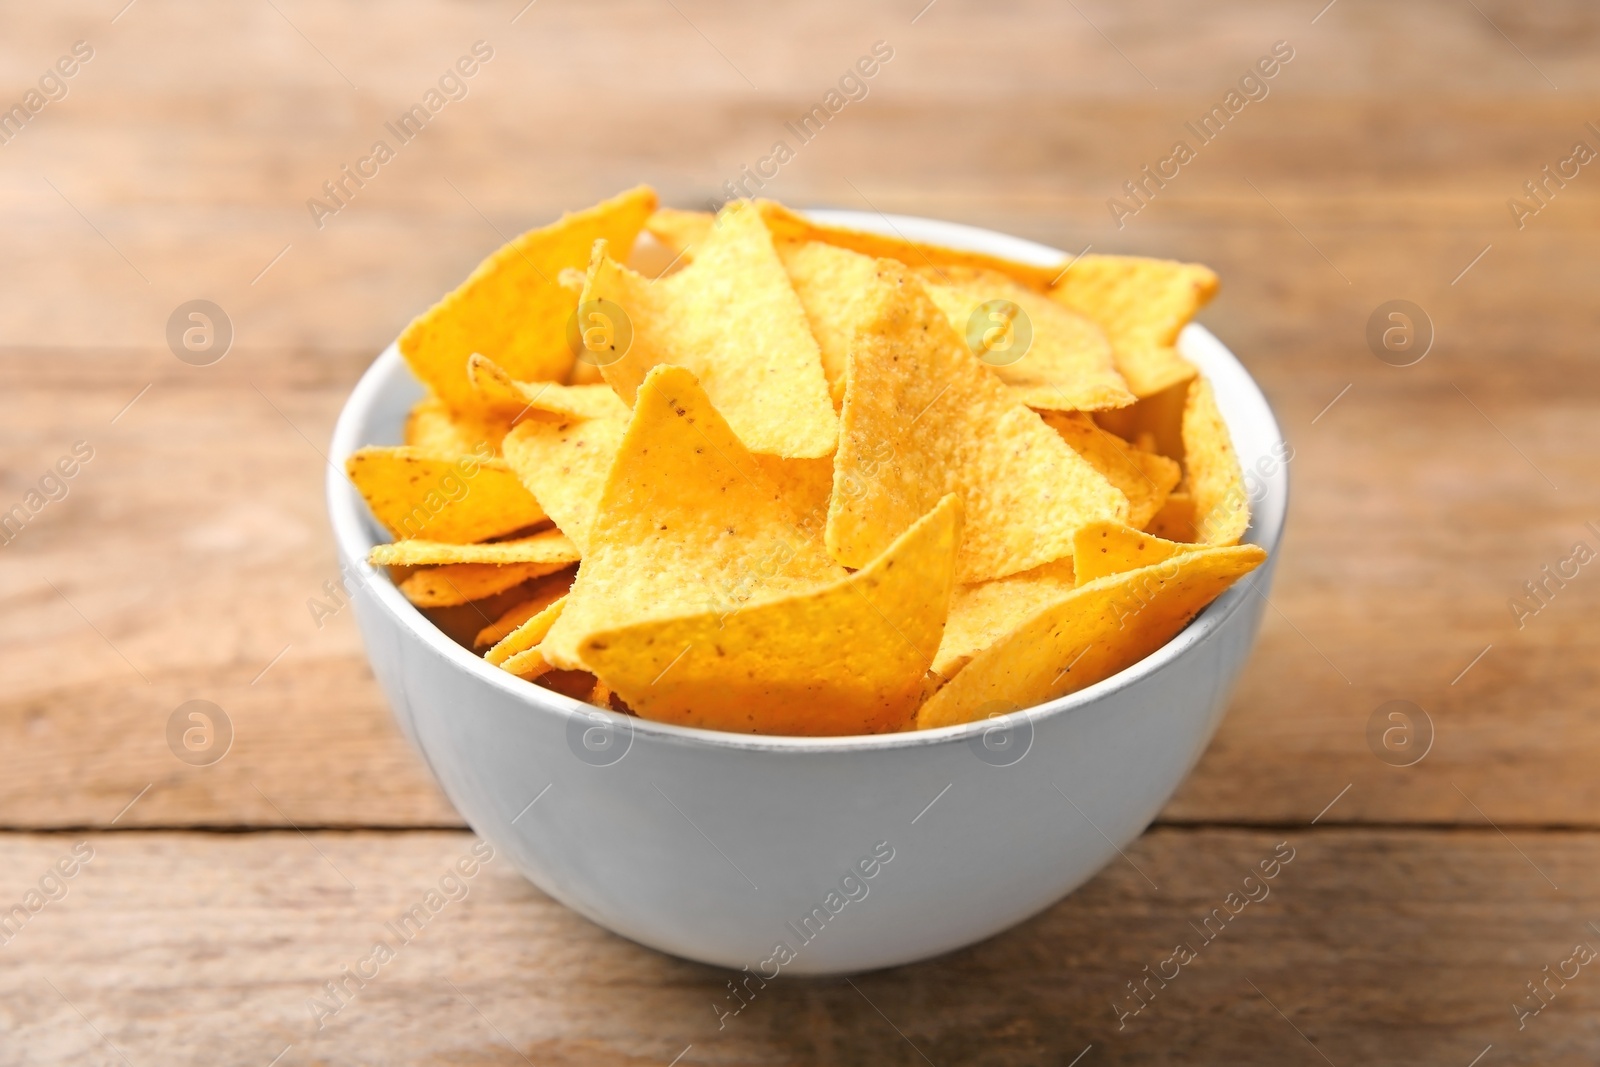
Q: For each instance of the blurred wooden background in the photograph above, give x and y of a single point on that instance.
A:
(179, 563)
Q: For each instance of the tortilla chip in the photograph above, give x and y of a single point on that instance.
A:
(528, 635)
(846, 658)
(564, 465)
(462, 583)
(510, 397)
(688, 522)
(1090, 634)
(1156, 421)
(547, 546)
(787, 225)
(432, 427)
(1103, 548)
(1054, 358)
(544, 593)
(984, 612)
(834, 286)
(732, 318)
(922, 418)
(512, 307)
(1175, 520)
(461, 499)
(1221, 501)
(1141, 304)
(679, 230)
(1145, 478)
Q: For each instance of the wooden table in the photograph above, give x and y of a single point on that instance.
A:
(179, 563)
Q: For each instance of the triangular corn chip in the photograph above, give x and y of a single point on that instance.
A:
(512, 308)
(1175, 520)
(1088, 635)
(1141, 304)
(688, 522)
(564, 465)
(442, 497)
(433, 427)
(847, 658)
(1054, 358)
(1145, 478)
(731, 318)
(1156, 421)
(529, 634)
(680, 230)
(462, 583)
(787, 225)
(983, 612)
(834, 286)
(543, 593)
(922, 418)
(1103, 548)
(547, 546)
(1211, 467)
(509, 397)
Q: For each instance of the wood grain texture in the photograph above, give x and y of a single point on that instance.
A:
(206, 948)
(180, 562)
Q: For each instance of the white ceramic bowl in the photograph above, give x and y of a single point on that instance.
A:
(721, 847)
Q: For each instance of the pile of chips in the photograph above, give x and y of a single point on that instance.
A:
(806, 480)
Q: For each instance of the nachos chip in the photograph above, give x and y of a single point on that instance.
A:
(531, 344)
(529, 633)
(462, 583)
(835, 287)
(1103, 548)
(731, 318)
(845, 658)
(547, 546)
(565, 465)
(1089, 634)
(545, 591)
(1221, 502)
(1054, 358)
(1144, 477)
(1141, 304)
(443, 497)
(508, 397)
(983, 612)
(687, 522)
(922, 418)
(433, 427)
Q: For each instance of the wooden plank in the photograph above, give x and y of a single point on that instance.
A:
(1371, 946)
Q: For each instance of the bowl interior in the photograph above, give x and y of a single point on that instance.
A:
(375, 415)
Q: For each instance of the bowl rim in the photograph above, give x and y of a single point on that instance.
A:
(353, 528)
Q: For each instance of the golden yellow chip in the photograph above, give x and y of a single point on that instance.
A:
(834, 286)
(787, 225)
(512, 308)
(1145, 478)
(1213, 477)
(544, 593)
(547, 546)
(688, 522)
(564, 465)
(507, 396)
(678, 230)
(433, 427)
(1051, 356)
(846, 658)
(1141, 304)
(462, 583)
(527, 635)
(1156, 421)
(1175, 520)
(1088, 635)
(922, 418)
(1103, 548)
(443, 497)
(983, 612)
(731, 318)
